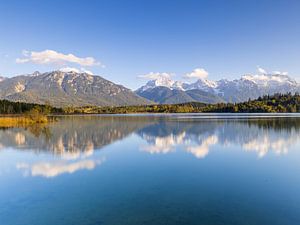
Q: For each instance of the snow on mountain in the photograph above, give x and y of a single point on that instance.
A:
(162, 81)
(19, 87)
(270, 79)
(35, 74)
(2, 78)
(248, 86)
(202, 84)
(64, 89)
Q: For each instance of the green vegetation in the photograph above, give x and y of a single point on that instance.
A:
(278, 103)
(24, 114)
(8, 107)
(164, 108)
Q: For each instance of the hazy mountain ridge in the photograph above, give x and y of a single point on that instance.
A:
(238, 90)
(67, 89)
(166, 95)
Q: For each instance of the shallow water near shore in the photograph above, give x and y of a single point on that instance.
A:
(152, 169)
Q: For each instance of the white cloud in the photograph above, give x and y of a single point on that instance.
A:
(73, 69)
(265, 72)
(154, 76)
(261, 70)
(87, 71)
(279, 73)
(53, 57)
(69, 69)
(198, 73)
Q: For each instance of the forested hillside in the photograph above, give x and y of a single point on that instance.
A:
(278, 103)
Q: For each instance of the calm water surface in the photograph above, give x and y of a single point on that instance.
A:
(176, 169)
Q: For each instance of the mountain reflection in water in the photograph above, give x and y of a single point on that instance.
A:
(197, 137)
(73, 139)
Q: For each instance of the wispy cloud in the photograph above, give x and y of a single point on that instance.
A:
(53, 57)
(87, 71)
(5, 55)
(154, 76)
(261, 70)
(280, 73)
(198, 73)
(69, 69)
(276, 72)
(73, 69)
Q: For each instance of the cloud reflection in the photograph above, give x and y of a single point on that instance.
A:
(264, 144)
(260, 137)
(77, 138)
(201, 151)
(157, 145)
(53, 169)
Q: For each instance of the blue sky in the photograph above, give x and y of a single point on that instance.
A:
(134, 37)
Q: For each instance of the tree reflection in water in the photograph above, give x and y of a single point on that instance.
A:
(73, 139)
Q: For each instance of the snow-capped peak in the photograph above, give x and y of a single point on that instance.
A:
(178, 85)
(202, 84)
(237, 90)
(2, 78)
(35, 74)
(165, 81)
(207, 83)
(162, 81)
(268, 79)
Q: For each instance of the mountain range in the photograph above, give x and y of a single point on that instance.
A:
(166, 90)
(70, 88)
(63, 89)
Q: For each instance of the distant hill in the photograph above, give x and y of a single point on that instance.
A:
(62, 89)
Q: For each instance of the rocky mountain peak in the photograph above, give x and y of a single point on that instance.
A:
(248, 86)
(67, 88)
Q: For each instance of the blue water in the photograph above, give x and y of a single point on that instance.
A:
(137, 169)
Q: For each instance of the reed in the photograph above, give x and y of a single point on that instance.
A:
(18, 121)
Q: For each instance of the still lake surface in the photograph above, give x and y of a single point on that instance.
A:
(152, 169)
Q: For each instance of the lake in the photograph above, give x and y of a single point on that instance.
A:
(152, 169)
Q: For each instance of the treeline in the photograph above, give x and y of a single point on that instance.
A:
(277, 103)
(8, 107)
(165, 108)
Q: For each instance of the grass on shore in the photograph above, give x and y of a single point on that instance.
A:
(16, 121)
(34, 116)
